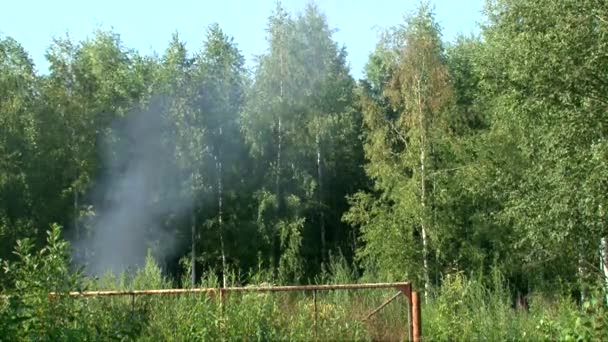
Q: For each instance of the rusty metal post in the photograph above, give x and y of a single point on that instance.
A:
(407, 291)
(417, 323)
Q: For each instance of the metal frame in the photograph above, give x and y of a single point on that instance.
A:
(414, 326)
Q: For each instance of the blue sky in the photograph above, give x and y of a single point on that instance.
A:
(147, 25)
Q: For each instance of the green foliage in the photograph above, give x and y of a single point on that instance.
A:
(566, 321)
(408, 148)
(466, 309)
(463, 308)
(300, 121)
(469, 309)
(19, 133)
(531, 56)
(475, 168)
(28, 312)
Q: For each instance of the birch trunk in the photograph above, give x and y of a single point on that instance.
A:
(604, 258)
(279, 132)
(193, 237)
(319, 198)
(275, 247)
(581, 276)
(76, 216)
(604, 264)
(423, 224)
(79, 250)
(220, 191)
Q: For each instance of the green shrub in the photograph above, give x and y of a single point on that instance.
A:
(28, 312)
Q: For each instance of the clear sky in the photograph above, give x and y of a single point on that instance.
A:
(147, 25)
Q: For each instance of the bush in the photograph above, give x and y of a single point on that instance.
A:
(28, 312)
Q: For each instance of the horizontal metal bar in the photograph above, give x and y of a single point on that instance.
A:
(234, 289)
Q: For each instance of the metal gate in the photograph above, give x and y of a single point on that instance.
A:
(404, 288)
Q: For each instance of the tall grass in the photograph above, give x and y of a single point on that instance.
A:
(461, 309)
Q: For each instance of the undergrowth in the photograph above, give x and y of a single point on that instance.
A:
(461, 309)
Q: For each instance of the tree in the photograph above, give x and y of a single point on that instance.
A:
(269, 125)
(327, 95)
(19, 106)
(172, 99)
(402, 108)
(219, 70)
(298, 119)
(90, 86)
(544, 70)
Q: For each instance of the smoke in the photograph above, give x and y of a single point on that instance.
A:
(138, 196)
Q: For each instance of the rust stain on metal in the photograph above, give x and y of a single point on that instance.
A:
(417, 323)
(407, 291)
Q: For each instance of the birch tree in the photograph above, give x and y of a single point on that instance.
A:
(270, 124)
(402, 108)
(219, 70)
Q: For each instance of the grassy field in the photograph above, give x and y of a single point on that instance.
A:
(462, 309)
(462, 312)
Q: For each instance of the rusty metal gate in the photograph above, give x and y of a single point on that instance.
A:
(404, 288)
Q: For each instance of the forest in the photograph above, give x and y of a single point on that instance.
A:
(476, 168)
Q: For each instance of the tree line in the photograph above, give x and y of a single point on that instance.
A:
(485, 153)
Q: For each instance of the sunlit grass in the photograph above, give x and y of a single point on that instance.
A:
(461, 309)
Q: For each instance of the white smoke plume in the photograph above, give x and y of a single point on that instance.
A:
(137, 197)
